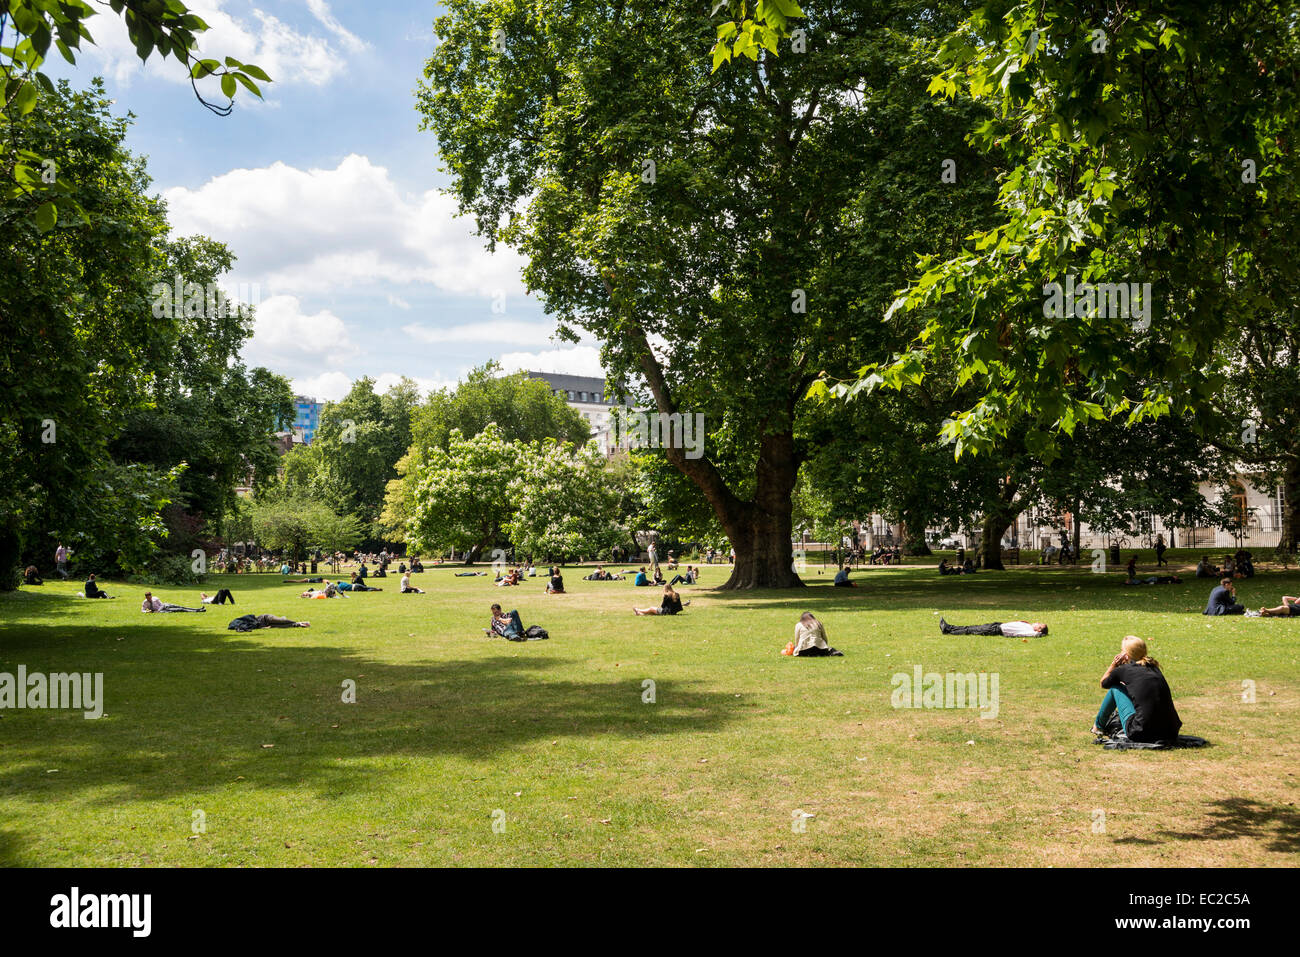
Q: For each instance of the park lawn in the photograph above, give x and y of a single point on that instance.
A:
(452, 729)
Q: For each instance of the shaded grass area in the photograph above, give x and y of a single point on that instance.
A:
(557, 743)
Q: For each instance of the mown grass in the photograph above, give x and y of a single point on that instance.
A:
(451, 726)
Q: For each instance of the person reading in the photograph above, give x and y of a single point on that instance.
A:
(1290, 608)
(671, 604)
(409, 589)
(810, 639)
(1137, 693)
(842, 579)
(92, 590)
(1011, 629)
(152, 605)
(1223, 600)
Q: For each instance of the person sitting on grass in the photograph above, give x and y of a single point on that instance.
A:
(1223, 600)
(968, 568)
(357, 584)
(416, 566)
(1290, 608)
(641, 578)
(671, 604)
(1137, 693)
(842, 579)
(658, 575)
(507, 626)
(92, 590)
(686, 578)
(153, 605)
(409, 589)
(1011, 629)
(599, 575)
(810, 639)
(943, 567)
(31, 576)
(509, 578)
(220, 598)
(1205, 570)
(556, 584)
(1132, 568)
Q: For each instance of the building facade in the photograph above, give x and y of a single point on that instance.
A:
(306, 419)
(587, 395)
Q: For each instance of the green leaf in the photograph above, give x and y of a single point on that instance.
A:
(228, 86)
(46, 216)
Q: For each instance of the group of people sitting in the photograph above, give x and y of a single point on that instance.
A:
(966, 568)
(1240, 565)
(1223, 601)
(600, 575)
(887, 555)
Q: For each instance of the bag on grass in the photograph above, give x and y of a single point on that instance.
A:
(788, 649)
(535, 633)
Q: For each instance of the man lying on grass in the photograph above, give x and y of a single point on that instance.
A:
(1289, 608)
(507, 626)
(1011, 629)
(153, 605)
(1137, 692)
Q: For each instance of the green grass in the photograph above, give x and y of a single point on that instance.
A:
(451, 726)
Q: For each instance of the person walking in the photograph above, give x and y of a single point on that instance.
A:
(61, 561)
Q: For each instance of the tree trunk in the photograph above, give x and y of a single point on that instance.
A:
(1291, 507)
(913, 542)
(992, 529)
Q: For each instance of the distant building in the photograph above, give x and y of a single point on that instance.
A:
(588, 395)
(306, 419)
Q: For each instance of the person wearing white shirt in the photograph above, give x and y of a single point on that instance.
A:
(1011, 629)
(810, 639)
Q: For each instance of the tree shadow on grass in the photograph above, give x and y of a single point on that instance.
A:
(1277, 825)
(188, 712)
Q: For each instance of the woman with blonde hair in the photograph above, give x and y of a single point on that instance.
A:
(1138, 696)
(810, 639)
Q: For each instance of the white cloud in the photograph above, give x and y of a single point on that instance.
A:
(285, 337)
(398, 302)
(321, 11)
(386, 380)
(578, 360)
(286, 54)
(318, 230)
(327, 387)
(507, 331)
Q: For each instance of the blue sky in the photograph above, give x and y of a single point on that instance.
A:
(328, 195)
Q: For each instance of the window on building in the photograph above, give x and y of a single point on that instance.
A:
(570, 395)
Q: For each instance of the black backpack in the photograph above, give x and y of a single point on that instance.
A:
(535, 633)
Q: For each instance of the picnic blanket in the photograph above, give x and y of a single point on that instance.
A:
(1124, 744)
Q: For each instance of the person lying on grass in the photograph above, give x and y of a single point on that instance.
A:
(1011, 629)
(408, 588)
(153, 605)
(356, 584)
(1154, 580)
(810, 639)
(302, 581)
(1289, 608)
(1137, 692)
(329, 591)
(252, 622)
(507, 626)
(1223, 600)
(222, 596)
(671, 605)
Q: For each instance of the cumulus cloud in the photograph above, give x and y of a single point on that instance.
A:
(288, 55)
(577, 360)
(316, 230)
(285, 337)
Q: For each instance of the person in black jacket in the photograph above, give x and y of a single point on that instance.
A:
(1223, 600)
(1137, 692)
(671, 604)
(92, 589)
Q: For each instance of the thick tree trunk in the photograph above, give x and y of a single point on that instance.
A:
(913, 539)
(992, 529)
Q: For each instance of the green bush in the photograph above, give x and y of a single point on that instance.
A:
(167, 570)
